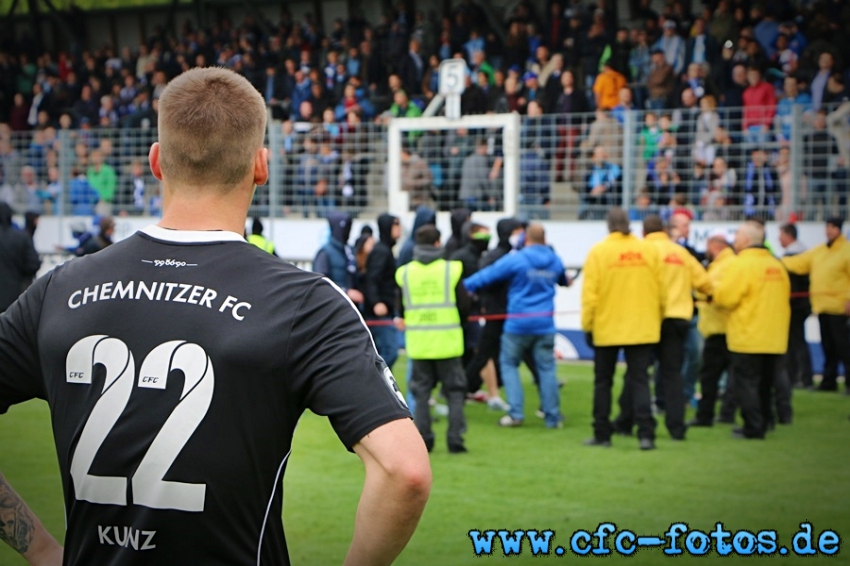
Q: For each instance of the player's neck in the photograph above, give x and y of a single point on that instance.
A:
(193, 211)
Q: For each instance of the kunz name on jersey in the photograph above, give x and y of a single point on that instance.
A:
(159, 291)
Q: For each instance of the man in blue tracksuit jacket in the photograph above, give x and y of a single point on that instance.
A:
(532, 273)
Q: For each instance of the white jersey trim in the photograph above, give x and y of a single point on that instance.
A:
(191, 236)
(269, 506)
(355, 309)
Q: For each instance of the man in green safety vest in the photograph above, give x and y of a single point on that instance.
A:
(433, 305)
(258, 239)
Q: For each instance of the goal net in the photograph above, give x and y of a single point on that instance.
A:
(472, 162)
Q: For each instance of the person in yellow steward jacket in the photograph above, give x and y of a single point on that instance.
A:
(256, 238)
(756, 290)
(712, 325)
(828, 268)
(622, 305)
(681, 275)
(434, 304)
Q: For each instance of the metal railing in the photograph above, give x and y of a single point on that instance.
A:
(793, 164)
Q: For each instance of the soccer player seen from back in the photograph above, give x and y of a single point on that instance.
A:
(177, 362)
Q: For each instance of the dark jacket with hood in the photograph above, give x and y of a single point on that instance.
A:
(19, 262)
(494, 299)
(459, 218)
(379, 286)
(469, 254)
(424, 216)
(430, 254)
(335, 260)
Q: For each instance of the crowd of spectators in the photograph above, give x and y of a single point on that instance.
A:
(714, 92)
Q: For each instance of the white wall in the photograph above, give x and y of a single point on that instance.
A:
(299, 239)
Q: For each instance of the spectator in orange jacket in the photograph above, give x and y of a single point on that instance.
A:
(607, 87)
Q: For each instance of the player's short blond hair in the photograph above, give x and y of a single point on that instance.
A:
(211, 124)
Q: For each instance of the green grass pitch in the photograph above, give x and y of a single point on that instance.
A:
(535, 478)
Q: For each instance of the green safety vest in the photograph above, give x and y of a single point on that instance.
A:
(262, 243)
(433, 328)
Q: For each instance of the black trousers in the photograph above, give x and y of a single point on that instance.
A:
(671, 357)
(836, 347)
(798, 360)
(426, 375)
(715, 360)
(638, 359)
(754, 377)
(490, 348)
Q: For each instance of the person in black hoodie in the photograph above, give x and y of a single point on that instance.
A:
(381, 291)
(476, 240)
(19, 261)
(335, 260)
(460, 216)
(484, 366)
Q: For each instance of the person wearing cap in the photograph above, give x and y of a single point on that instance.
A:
(715, 354)
(681, 274)
(606, 87)
(256, 238)
(828, 268)
(531, 90)
(622, 303)
(756, 290)
(673, 46)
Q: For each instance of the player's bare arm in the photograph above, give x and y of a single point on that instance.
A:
(21, 529)
(396, 488)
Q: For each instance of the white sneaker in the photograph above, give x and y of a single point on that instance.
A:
(498, 404)
(509, 421)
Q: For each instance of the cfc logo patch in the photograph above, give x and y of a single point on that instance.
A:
(391, 383)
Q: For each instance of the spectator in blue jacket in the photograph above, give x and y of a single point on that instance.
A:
(532, 275)
(335, 260)
(82, 195)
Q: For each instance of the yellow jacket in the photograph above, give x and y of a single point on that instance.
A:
(828, 268)
(712, 318)
(621, 297)
(756, 289)
(681, 273)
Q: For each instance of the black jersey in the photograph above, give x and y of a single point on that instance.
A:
(176, 365)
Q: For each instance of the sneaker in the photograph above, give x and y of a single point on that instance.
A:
(509, 421)
(539, 414)
(646, 444)
(457, 449)
(596, 442)
(478, 397)
(441, 410)
(498, 404)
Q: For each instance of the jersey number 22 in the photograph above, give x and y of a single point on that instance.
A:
(149, 489)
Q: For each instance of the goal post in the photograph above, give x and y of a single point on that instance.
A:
(508, 124)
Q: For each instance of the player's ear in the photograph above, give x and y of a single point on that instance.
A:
(261, 166)
(153, 159)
